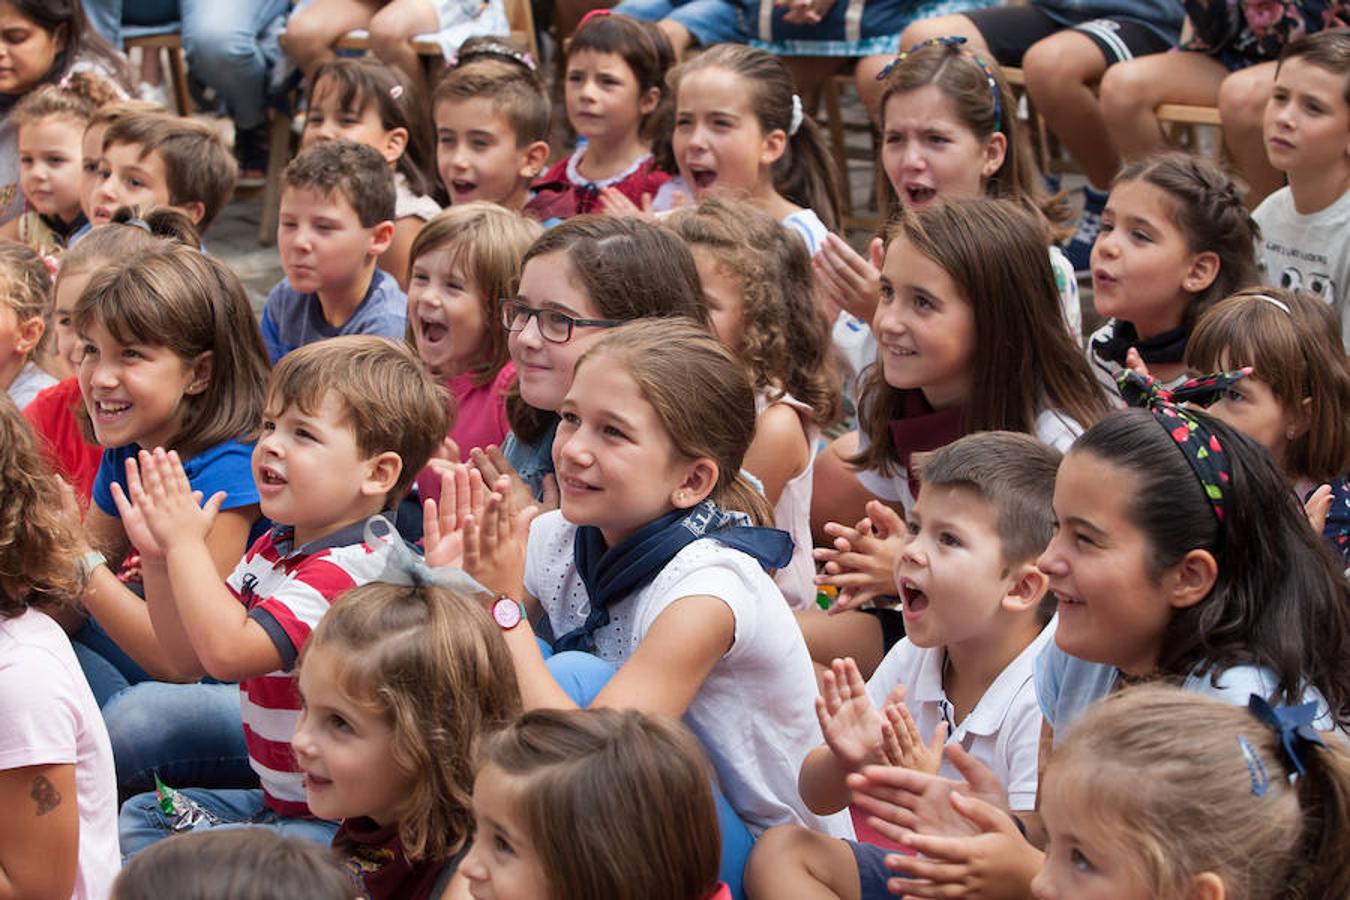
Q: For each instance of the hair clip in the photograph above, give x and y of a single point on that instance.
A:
(1260, 779)
(1294, 727)
(958, 43)
(492, 49)
(593, 14)
(797, 115)
(395, 92)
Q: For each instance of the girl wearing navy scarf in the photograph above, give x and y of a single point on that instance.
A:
(656, 564)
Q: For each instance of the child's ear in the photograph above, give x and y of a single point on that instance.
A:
(774, 145)
(534, 159)
(995, 151)
(1206, 886)
(1299, 420)
(201, 373)
(877, 251)
(648, 102)
(1204, 269)
(193, 209)
(395, 142)
(30, 333)
(1191, 579)
(1028, 588)
(381, 236)
(382, 474)
(697, 484)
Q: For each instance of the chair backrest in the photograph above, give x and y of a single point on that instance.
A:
(520, 15)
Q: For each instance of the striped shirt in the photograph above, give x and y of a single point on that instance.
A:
(287, 589)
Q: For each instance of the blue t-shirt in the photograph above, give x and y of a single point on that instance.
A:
(1066, 686)
(291, 319)
(224, 467)
(1162, 16)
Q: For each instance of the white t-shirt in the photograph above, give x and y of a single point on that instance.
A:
(1003, 731)
(1052, 428)
(410, 205)
(754, 712)
(806, 223)
(50, 718)
(1307, 252)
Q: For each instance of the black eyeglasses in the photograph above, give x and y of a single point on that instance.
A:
(555, 326)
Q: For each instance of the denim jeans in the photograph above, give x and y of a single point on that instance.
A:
(581, 677)
(222, 40)
(142, 823)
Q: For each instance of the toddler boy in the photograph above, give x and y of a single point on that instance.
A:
(492, 119)
(154, 159)
(975, 608)
(348, 424)
(1304, 226)
(337, 217)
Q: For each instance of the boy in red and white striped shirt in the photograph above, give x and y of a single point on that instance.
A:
(349, 422)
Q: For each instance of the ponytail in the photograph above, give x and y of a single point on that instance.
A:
(739, 495)
(804, 174)
(1322, 868)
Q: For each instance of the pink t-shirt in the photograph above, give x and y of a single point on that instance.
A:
(479, 415)
(50, 718)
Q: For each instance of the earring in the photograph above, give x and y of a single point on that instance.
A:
(1289, 434)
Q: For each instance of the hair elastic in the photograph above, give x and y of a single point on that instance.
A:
(955, 42)
(138, 222)
(1278, 304)
(1200, 446)
(395, 92)
(796, 115)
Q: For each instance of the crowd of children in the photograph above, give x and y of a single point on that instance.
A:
(502, 553)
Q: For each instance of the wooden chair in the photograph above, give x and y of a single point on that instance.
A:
(831, 92)
(164, 39)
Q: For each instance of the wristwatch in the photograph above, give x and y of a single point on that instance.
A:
(507, 612)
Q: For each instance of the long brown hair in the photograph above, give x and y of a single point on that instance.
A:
(953, 70)
(804, 174)
(617, 804)
(173, 296)
(786, 344)
(487, 242)
(38, 556)
(434, 665)
(701, 395)
(1159, 767)
(1024, 359)
(630, 269)
(1296, 350)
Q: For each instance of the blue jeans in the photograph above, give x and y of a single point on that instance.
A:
(142, 823)
(222, 40)
(709, 21)
(188, 734)
(107, 668)
(582, 676)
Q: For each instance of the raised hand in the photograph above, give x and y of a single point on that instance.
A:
(160, 509)
(852, 282)
(493, 464)
(903, 801)
(495, 541)
(463, 495)
(851, 725)
(903, 745)
(861, 564)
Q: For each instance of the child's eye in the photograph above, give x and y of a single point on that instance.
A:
(1232, 395)
(683, 121)
(887, 292)
(88, 350)
(268, 425)
(480, 144)
(575, 78)
(912, 527)
(1080, 862)
(938, 139)
(571, 418)
(502, 845)
(135, 182)
(339, 724)
(1141, 236)
(613, 432)
(1107, 227)
(305, 434)
(923, 302)
(948, 539)
(88, 167)
(128, 353)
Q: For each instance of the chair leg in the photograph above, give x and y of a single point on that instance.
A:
(180, 82)
(835, 119)
(278, 153)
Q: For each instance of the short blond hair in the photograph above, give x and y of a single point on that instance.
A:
(388, 398)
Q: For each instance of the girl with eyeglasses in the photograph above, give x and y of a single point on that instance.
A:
(586, 275)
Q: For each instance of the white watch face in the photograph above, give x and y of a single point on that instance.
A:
(507, 612)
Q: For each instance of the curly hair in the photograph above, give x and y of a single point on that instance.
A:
(38, 559)
(786, 342)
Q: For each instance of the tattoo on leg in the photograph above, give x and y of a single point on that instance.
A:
(44, 793)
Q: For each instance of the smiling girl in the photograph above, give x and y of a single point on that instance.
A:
(397, 685)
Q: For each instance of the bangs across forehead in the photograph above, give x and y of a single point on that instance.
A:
(354, 92)
(132, 312)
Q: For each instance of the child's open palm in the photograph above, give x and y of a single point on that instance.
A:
(495, 540)
(159, 509)
(850, 723)
(903, 744)
(463, 495)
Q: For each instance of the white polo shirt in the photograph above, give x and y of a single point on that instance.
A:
(1003, 731)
